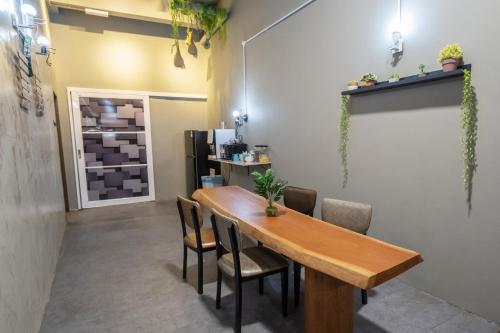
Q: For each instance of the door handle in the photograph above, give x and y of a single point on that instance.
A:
(79, 154)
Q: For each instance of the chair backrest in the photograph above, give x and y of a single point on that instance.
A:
(226, 228)
(302, 200)
(350, 215)
(185, 207)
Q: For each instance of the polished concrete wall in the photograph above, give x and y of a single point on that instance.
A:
(118, 53)
(404, 148)
(32, 218)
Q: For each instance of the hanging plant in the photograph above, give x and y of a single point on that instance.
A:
(345, 116)
(178, 60)
(206, 17)
(469, 139)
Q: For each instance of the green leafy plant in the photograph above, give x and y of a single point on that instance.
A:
(450, 51)
(206, 17)
(469, 138)
(345, 117)
(394, 76)
(369, 77)
(269, 187)
(421, 68)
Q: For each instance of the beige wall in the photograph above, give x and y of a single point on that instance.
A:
(404, 148)
(169, 119)
(118, 53)
(31, 199)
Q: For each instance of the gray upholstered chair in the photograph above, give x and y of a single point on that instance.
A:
(350, 215)
(199, 240)
(244, 264)
(302, 200)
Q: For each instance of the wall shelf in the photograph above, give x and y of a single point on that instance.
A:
(409, 81)
(240, 164)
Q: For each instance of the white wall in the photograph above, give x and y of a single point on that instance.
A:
(31, 197)
(404, 150)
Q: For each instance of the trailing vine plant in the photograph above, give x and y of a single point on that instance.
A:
(345, 116)
(469, 138)
(209, 18)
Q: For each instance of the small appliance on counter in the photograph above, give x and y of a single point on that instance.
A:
(218, 137)
(228, 150)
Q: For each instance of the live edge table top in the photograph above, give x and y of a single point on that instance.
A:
(359, 260)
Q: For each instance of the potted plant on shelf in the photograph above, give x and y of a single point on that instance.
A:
(369, 79)
(421, 69)
(450, 57)
(394, 77)
(269, 187)
(352, 85)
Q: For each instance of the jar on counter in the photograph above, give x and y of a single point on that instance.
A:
(261, 153)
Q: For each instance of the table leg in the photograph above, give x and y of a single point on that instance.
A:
(328, 303)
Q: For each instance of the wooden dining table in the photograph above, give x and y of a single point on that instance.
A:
(335, 259)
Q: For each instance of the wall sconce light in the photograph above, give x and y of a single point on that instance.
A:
(396, 47)
(45, 50)
(239, 120)
(28, 10)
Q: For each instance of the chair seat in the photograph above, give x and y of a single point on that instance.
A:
(253, 261)
(207, 239)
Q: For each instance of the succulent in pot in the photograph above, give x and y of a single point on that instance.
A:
(369, 79)
(271, 188)
(351, 85)
(394, 77)
(450, 57)
(421, 69)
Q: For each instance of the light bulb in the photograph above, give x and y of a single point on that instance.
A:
(42, 41)
(236, 113)
(28, 9)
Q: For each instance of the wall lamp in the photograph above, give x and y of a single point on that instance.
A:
(239, 120)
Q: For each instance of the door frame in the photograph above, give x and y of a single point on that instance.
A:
(77, 143)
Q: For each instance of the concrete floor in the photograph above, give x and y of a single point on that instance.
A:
(120, 271)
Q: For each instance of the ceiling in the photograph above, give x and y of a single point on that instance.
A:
(145, 10)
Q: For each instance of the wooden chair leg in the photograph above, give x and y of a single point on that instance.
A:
(364, 297)
(237, 315)
(219, 286)
(200, 272)
(296, 282)
(184, 263)
(261, 286)
(284, 292)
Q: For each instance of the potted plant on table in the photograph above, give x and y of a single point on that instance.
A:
(394, 77)
(450, 57)
(369, 79)
(269, 187)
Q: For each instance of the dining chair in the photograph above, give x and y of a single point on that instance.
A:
(302, 200)
(350, 215)
(244, 264)
(200, 240)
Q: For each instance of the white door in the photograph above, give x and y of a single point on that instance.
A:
(112, 145)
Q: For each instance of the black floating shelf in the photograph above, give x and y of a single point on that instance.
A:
(409, 81)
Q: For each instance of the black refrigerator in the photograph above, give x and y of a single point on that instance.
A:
(197, 163)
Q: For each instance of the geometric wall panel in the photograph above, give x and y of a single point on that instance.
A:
(128, 111)
(109, 140)
(131, 150)
(112, 139)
